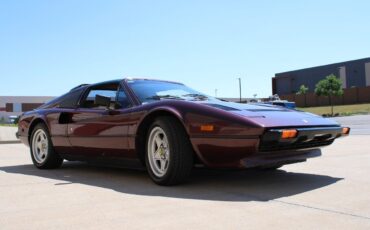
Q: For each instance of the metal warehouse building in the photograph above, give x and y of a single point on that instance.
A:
(15, 105)
(354, 73)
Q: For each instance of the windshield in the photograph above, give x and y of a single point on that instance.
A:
(150, 90)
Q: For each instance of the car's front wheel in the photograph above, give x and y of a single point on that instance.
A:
(42, 150)
(169, 155)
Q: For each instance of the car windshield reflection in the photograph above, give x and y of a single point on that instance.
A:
(150, 90)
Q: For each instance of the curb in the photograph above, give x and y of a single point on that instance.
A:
(10, 142)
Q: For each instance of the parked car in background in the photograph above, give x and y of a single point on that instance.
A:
(275, 100)
(13, 119)
(168, 127)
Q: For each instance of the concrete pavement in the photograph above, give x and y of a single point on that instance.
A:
(327, 192)
(7, 135)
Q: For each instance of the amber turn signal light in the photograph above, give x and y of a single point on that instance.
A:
(289, 133)
(207, 128)
(345, 130)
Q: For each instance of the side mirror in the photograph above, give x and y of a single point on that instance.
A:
(102, 101)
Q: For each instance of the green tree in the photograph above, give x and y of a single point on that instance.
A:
(329, 87)
(303, 91)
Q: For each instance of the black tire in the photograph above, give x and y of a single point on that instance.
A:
(52, 159)
(180, 161)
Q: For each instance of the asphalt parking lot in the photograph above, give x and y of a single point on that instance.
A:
(327, 192)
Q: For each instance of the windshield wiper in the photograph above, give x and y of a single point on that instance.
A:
(159, 97)
(196, 95)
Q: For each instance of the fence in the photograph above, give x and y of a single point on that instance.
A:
(350, 96)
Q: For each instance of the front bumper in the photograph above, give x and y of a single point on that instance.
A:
(266, 149)
(307, 138)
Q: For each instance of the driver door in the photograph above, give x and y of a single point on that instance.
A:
(101, 131)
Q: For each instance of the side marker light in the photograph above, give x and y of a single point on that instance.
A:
(345, 130)
(289, 133)
(207, 128)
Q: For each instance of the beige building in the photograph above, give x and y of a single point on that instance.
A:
(16, 105)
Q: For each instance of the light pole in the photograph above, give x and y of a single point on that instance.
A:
(240, 90)
(215, 92)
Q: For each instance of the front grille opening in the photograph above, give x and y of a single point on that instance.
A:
(322, 137)
(309, 137)
(299, 145)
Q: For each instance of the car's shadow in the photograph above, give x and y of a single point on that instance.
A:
(204, 184)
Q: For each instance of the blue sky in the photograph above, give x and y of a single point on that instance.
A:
(48, 47)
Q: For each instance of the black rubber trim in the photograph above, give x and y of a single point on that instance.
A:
(227, 136)
(307, 138)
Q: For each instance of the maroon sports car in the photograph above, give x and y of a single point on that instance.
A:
(168, 128)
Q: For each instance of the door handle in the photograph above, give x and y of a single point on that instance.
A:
(111, 112)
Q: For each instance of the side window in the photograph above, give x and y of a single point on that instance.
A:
(70, 99)
(106, 90)
(105, 93)
(122, 99)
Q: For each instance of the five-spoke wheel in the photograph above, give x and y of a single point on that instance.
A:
(169, 155)
(159, 151)
(42, 150)
(39, 146)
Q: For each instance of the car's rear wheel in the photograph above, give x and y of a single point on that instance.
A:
(169, 155)
(42, 150)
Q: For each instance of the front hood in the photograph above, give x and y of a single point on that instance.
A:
(271, 116)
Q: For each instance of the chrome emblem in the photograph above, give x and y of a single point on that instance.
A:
(305, 121)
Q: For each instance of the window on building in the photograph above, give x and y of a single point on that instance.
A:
(17, 107)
